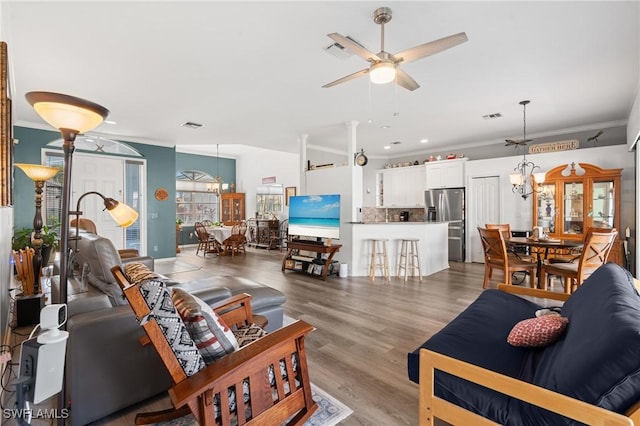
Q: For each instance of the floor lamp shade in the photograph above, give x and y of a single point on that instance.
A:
(123, 215)
(38, 172)
(67, 112)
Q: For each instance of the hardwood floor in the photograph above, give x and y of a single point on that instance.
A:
(364, 329)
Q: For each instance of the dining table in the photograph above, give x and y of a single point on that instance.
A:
(220, 233)
(544, 246)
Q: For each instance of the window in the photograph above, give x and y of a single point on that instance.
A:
(134, 185)
(195, 199)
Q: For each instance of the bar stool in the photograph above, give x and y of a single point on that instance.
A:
(379, 258)
(409, 259)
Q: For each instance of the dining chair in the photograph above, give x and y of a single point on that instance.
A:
(497, 257)
(573, 255)
(520, 252)
(594, 254)
(505, 228)
(206, 242)
(237, 241)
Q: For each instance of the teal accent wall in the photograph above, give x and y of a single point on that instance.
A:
(28, 150)
(225, 168)
(162, 164)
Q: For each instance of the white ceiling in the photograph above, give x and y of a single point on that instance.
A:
(251, 72)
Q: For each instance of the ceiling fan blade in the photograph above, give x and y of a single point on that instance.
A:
(354, 47)
(405, 80)
(430, 48)
(596, 136)
(347, 78)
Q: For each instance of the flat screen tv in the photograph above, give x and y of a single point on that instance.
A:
(315, 216)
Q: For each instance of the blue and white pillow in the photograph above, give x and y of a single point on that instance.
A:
(158, 298)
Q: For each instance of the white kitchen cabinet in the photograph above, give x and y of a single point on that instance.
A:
(401, 187)
(445, 174)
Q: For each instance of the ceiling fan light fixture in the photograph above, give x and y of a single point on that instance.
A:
(382, 72)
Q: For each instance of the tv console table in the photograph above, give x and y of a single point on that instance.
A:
(318, 267)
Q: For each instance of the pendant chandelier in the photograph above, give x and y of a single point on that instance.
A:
(525, 179)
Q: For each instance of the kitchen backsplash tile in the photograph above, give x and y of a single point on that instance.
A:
(378, 215)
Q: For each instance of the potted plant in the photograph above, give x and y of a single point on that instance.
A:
(178, 223)
(22, 238)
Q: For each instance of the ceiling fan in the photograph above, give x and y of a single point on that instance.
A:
(595, 137)
(384, 66)
(524, 140)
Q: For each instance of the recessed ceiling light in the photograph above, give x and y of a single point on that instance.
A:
(385, 126)
(109, 122)
(424, 140)
(387, 147)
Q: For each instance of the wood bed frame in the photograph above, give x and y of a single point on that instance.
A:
(431, 406)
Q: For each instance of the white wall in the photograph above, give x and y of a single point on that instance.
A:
(260, 163)
(633, 123)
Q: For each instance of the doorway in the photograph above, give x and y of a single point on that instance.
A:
(119, 178)
(485, 199)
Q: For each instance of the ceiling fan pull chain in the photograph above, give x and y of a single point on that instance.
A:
(395, 97)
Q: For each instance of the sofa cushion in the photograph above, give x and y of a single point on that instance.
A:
(537, 332)
(262, 296)
(597, 360)
(212, 336)
(158, 298)
(477, 336)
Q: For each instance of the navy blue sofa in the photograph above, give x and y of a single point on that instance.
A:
(597, 359)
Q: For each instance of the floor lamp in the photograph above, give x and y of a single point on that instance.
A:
(71, 116)
(39, 175)
(121, 213)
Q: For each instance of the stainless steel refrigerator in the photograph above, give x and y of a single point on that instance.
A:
(449, 207)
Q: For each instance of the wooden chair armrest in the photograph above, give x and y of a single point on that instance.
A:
(233, 368)
(433, 406)
(533, 292)
(235, 310)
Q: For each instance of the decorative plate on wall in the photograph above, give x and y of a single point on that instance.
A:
(162, 194)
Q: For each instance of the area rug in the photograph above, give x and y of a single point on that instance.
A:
(330, 412)
(174, 267)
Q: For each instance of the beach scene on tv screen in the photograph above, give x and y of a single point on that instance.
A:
(318, 211)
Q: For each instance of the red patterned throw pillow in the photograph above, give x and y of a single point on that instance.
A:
(212, 336)
(537, 332)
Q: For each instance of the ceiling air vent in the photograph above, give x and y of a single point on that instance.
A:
(492, 116)
(191, 125)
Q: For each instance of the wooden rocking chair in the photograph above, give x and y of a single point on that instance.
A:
(287, 401)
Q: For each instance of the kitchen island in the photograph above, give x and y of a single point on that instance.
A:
(433, 246)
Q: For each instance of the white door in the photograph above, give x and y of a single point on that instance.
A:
(484, 207)
(106, 176)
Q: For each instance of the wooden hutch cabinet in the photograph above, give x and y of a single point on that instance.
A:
(232, 207)
(572, 199)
